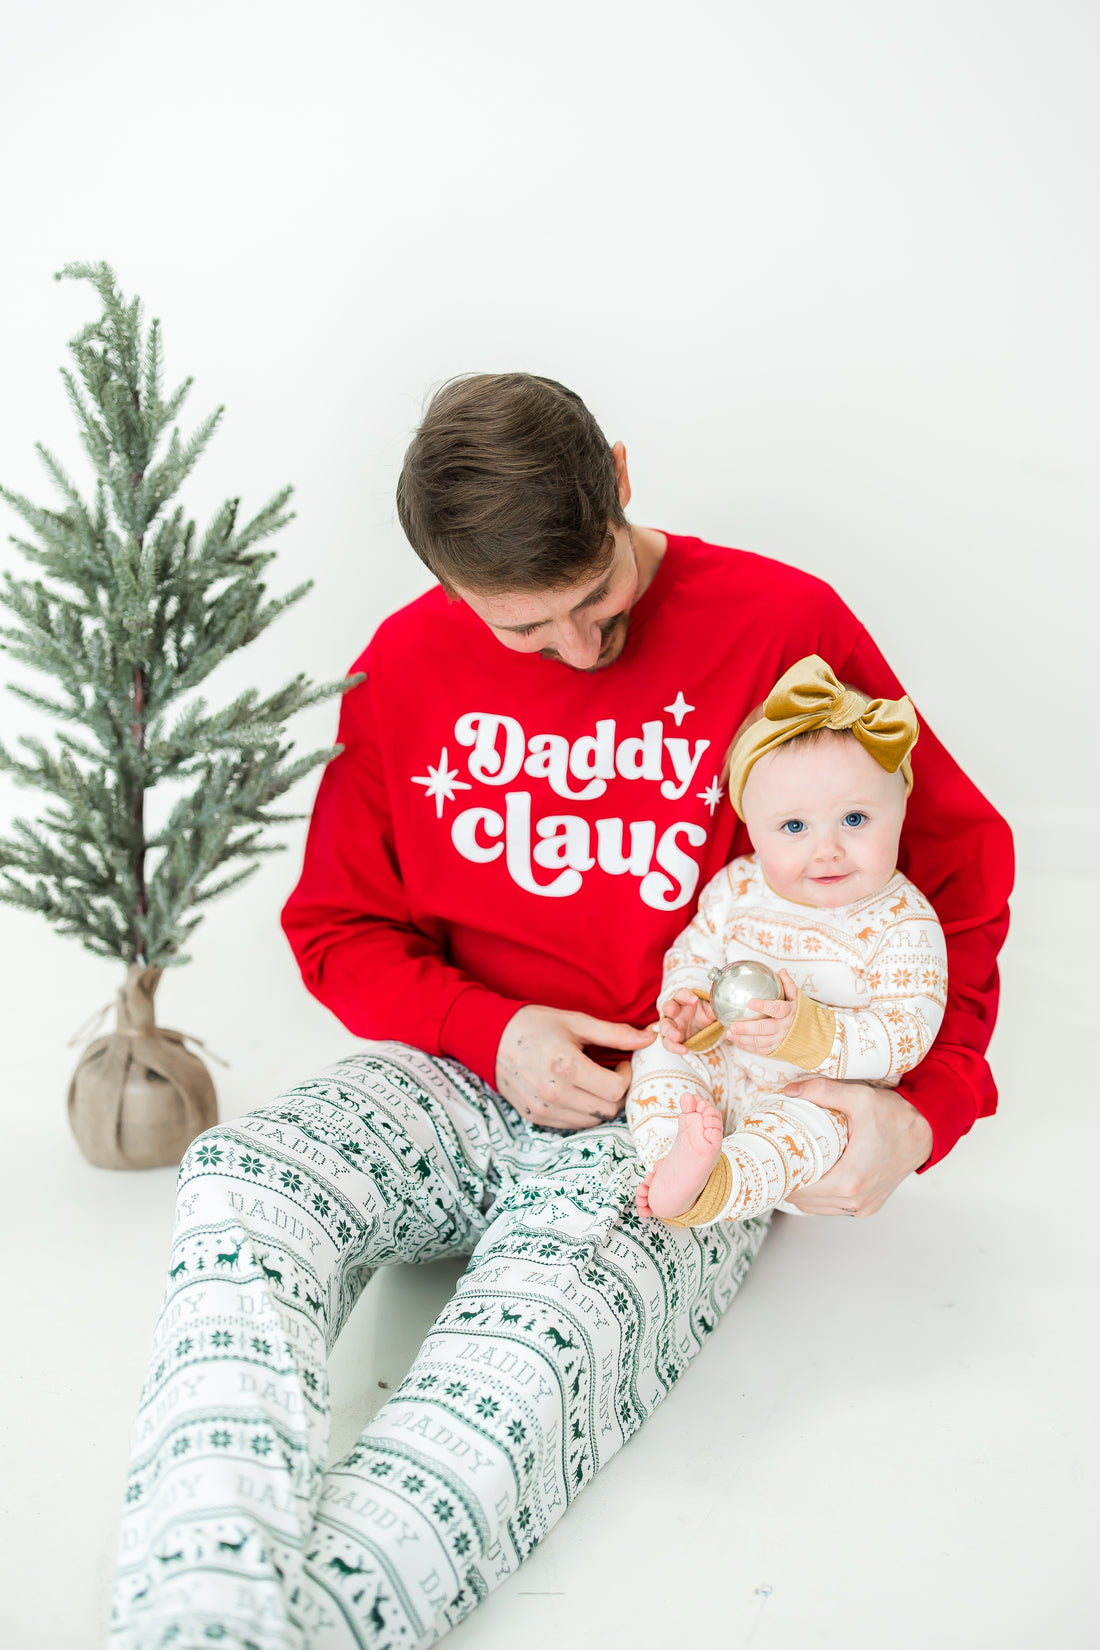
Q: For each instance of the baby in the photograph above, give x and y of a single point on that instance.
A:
(820, 778)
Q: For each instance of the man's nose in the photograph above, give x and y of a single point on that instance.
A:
(579, 645)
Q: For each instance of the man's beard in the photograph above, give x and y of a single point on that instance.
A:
(612, 641)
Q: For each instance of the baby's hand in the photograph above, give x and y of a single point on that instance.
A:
(765, 1036)
(682, 1016)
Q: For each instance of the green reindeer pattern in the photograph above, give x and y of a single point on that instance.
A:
(573, 1320)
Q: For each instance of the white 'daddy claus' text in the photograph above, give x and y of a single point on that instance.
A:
(566, 844)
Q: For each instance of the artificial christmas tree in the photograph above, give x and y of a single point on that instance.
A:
(134, 612)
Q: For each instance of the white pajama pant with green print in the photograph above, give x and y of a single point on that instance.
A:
(572, 1321)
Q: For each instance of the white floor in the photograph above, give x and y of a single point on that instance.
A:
(891, 1440)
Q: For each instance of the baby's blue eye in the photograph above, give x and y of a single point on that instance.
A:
(793, 826)
(854, 819)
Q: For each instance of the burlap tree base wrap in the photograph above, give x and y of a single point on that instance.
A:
(139, 1096)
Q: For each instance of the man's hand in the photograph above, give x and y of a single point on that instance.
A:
(682, 1016)
(543, 1073)
(887, 1140)
(764, 1036)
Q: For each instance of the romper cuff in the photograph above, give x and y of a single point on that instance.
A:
(705, 1039)
(808, 1042)
(711, 1200)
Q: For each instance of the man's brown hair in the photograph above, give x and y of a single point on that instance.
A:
(508, 485)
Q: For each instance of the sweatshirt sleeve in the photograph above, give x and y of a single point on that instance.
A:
(349, 925)
(958, 851)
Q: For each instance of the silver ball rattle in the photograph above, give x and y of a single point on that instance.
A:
(733, 987)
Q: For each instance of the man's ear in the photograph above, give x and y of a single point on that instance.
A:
(618, 453)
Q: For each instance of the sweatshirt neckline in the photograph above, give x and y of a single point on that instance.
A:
(668, 571)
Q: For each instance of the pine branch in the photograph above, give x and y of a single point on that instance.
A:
(134, 609)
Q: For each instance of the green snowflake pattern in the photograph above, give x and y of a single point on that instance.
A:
(261, 1444)
(443, 1510)
(412, 1483)
(457, 1389)
(291, 1180)
(220, 1440)
(181, 1446)
(517, 1432)
(134, 1493)
(250, 1164)
(210, 1155)
(461, 1543)
(381, 1469)
(262, 1347)
(184, 1347)
(221, 1337)
(321, 1204)
(343, 1231)
(487, 1406)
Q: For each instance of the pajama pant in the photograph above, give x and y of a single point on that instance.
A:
(572, 1321)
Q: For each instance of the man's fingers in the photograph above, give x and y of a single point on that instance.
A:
(581, 1111)
(833, 1206)
(588, 1081)
(857, 1204)
(848, 1098)
(608, 1034)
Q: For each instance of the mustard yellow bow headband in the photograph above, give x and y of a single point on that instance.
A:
(809, 696)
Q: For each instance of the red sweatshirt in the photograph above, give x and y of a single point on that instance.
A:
(502, 829)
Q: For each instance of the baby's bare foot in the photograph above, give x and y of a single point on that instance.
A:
(678, 1179)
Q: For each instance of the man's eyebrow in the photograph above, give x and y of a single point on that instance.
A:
(593, 595)
(586, 601)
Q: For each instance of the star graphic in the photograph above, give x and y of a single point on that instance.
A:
(712, 795)
(679, 708)
(442, 783)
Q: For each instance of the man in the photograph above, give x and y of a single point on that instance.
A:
(527, 801)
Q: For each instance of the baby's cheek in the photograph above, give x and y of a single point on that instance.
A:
(781, 864)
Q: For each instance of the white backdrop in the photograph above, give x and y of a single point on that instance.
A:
(828, 269)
